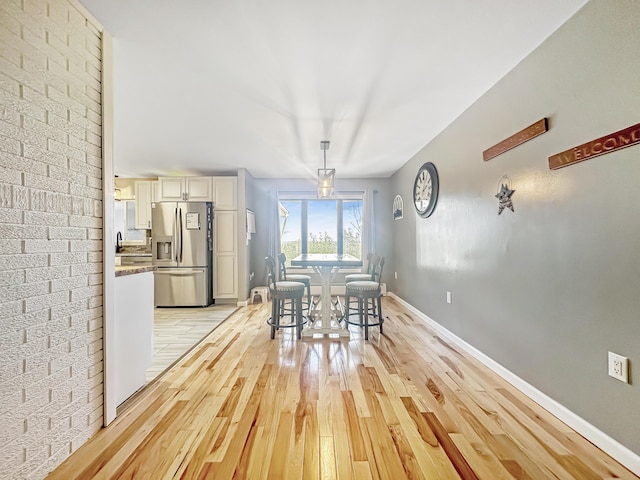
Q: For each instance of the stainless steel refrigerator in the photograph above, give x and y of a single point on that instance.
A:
(182, 251)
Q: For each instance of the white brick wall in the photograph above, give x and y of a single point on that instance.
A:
(51, 357)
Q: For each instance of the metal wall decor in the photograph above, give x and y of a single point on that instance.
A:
(398, 207)
(504, 192)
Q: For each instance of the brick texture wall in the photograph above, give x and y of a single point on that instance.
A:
(51, 357)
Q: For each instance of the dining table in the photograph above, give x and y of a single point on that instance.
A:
(326, 265)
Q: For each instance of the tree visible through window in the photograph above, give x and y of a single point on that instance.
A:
(321, 226)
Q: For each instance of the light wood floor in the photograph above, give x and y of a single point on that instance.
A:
(405, 404)
(177, 330)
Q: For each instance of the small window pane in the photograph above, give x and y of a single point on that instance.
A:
(352, 227)
(322, 221)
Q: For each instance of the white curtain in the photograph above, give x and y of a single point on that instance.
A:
(273, 240)
(369, 221)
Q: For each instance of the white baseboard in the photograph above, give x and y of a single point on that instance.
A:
(622, 454)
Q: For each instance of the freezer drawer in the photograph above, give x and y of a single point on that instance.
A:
(182, 287)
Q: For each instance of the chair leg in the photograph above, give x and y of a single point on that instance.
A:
(366, 317)
(347, 300)
(274, 312)
(299, 317)
(380, 317)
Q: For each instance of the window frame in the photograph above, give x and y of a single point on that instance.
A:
(127, 216)
(304, 197)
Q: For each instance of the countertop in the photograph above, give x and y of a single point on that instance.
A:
(122, 270)
(133, 254)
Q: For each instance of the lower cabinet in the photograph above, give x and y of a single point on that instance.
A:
(225, 257)
(133, 313)
(226, 268)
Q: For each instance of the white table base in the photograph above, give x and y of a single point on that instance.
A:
(328, 321)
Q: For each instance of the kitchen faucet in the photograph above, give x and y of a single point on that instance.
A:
(118, 242)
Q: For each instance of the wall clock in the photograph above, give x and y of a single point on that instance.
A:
(425, 190)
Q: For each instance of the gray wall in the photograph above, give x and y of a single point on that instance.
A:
(382, 211)
(548, 290)
(245, 266)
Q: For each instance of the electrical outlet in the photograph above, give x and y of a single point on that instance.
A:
(396, 275)
(448, 297)
(619, 367)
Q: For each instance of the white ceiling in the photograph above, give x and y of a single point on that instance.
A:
(207, 86)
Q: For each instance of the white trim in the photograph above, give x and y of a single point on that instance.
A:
(313, 195)
(619, 452)
(108, 237)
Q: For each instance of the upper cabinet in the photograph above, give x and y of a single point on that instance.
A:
(225, 195)
(185, 189)
(222, 191)
(155, 191)
(144, 197)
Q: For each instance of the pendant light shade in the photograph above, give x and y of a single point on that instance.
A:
(326, 176)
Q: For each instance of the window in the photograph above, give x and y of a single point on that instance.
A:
(321, 226)
(124, 220)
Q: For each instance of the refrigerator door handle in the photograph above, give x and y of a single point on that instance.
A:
(175, 234)
(180, 232)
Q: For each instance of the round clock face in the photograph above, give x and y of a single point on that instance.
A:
(425, 190)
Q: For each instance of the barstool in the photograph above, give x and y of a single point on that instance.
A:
(289, 277)
(372, 261)
(363, 290)
(280, 292)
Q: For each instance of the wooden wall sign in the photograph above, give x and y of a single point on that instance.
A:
(607, 144)
(519, 138)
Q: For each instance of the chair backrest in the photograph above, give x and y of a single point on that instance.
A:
(378, 270)
(370, 265)
(282, 266)
(271, 268)
(374, 261)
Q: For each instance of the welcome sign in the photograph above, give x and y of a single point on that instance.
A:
(607, 144)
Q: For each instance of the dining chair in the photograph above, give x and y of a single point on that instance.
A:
(363, 291)
(372, 260)
(294, 277)
(370, 275)
(282, 291)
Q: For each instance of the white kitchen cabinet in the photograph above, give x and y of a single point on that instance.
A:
(185, 189)
(225, 193)
(225, 259)
(171, 189)
(155, 191)
(143, 204)
(199, 189)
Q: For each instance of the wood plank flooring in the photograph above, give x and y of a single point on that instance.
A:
(405, 404)
(177, 330)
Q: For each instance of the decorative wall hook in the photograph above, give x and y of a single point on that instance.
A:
(504, 192)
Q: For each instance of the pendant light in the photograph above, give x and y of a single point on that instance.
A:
(326, 176)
